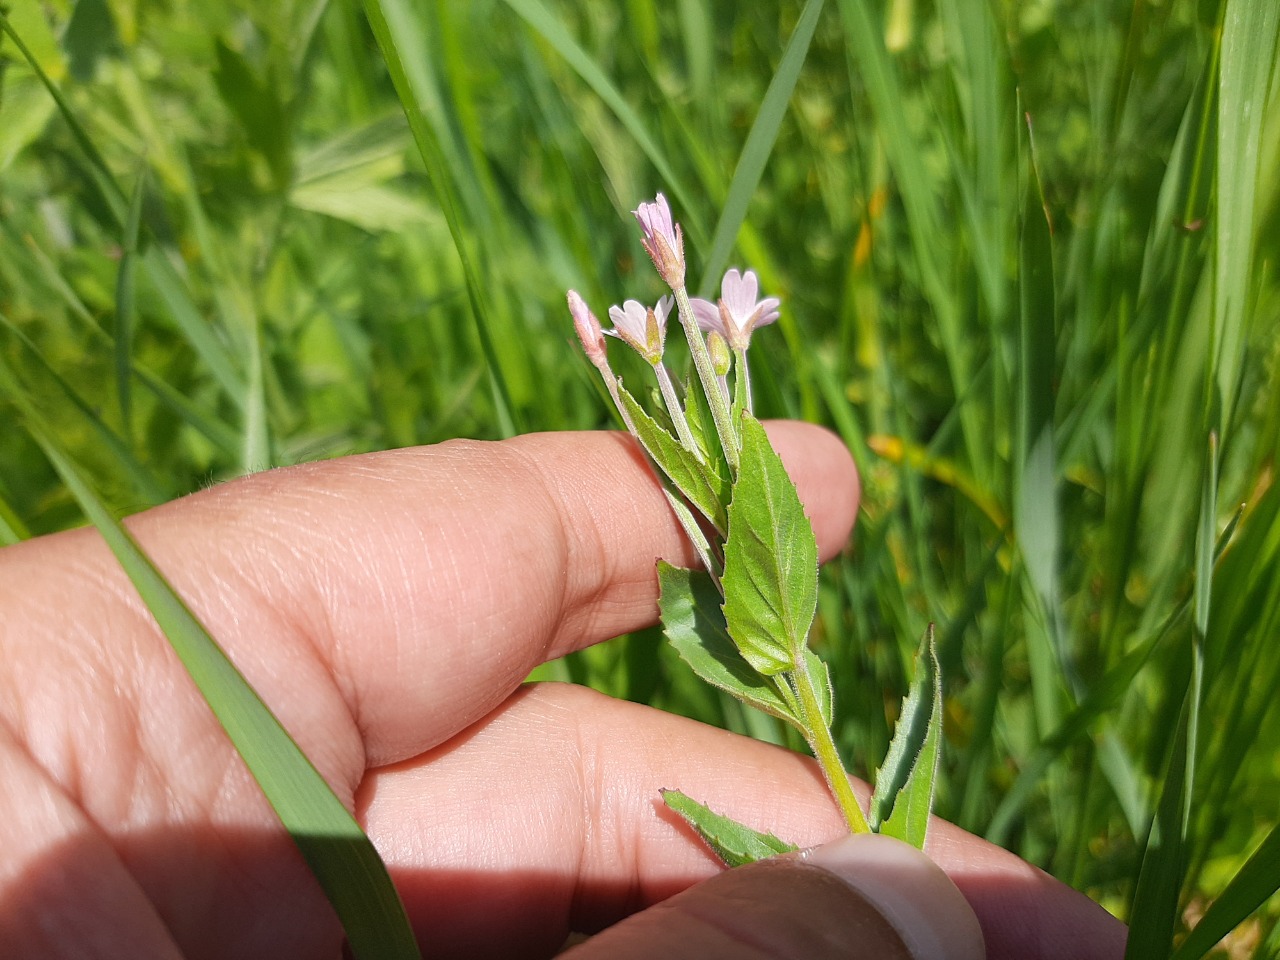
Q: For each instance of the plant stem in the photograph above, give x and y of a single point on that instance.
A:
(673, 407)
(707, 376)
(824, 748)
(742, 382)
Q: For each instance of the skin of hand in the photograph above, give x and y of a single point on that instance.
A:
(387, 608)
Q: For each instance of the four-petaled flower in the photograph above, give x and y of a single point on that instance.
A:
(663, 240)
(642, 328)
(739, 311)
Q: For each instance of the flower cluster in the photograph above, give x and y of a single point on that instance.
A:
(731, 494)
(718, 333)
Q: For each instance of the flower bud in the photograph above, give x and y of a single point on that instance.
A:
(663, 240)
(588, 328)
(721, 358)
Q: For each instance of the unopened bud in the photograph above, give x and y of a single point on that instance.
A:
(663, 240)
(721, 358)
(588, 328)
(653, 338)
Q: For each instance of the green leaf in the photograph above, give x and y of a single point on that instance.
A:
(340, 855)
(704, 488)
(90, 36)
(904, 790)
(255, 103)
(694, 624)
(731, 841)
(770, 559)
(1252, 885)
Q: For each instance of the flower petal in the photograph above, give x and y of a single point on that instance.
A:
(708, 316)
(739, 291)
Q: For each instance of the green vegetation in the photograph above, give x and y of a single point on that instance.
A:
(1050, 344)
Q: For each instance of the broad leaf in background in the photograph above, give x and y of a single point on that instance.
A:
(770, 559)
(904, 789)
(705, 489)
(732, 842)
(694, 624)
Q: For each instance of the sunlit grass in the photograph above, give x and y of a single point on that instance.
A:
(1028, 265)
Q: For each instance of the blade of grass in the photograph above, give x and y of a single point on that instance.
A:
(411, 99)
(125, 301)
(341, 856)
(1154, 910)
(160, 271)
(1249, 49)
(1162, 873)
(215, 429)
(758, 147)
(536, 14)
(12, 529)
(1256, 881)
(140, 478)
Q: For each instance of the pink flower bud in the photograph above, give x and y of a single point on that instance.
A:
(588, 328)
(663, 240)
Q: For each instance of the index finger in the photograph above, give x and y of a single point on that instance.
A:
(420, 585)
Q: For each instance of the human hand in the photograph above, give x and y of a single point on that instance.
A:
(387, 608)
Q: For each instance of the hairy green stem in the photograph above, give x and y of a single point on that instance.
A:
(707, 376)
(673, 407)
(824, 748)
(742, 382)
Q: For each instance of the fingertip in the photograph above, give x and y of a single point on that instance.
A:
(910, 891)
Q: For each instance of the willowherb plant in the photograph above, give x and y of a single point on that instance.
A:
(743, 621)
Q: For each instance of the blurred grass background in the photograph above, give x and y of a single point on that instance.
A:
(1027, 256)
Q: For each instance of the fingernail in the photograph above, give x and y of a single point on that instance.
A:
(910, 891)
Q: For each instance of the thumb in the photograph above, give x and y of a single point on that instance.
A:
(858, 898)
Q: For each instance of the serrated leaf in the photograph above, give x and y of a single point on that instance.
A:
(704, 488)
(770, 559)
(694, 624)
(903, 797)
(733, 842)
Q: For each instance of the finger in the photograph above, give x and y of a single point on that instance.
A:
(551, 808)
(410, 590)
(858, 898)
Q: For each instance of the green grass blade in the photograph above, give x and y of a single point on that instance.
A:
(341, 856)
(12, 529)
(536, 14)
(412, 101)
(1154, 912)
(206, 422)
(159, 270)
(142, 480)
(125, 301)
(1249, 60)
(756, 151)
(1255, 882)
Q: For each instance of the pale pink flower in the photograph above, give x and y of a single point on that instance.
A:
(663, 240)
(588, 328)
(642, 328)
(739, 311)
